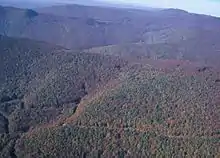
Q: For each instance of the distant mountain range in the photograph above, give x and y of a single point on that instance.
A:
(24, 3)
(79, 27)
(105, 4)
(41, 3)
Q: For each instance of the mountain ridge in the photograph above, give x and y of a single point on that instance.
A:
(86, 27)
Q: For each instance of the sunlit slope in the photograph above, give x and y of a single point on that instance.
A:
(148, 113)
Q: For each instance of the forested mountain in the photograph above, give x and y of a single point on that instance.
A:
(40, 82)
(86, 81)
(86, 27)
(148, 113)
(205, 51)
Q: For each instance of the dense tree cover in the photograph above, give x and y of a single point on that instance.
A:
(204, 50)
(40, 82)
(187, 101)
(76, 141)
(149, 113)
(60, 103)
(112, 101)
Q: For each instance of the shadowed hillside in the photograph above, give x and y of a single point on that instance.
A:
(87, 27)
(39, 82)
(69, 32)
(204, 49)
(101, 13)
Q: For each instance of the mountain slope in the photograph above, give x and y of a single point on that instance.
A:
(40, 82)
(203, 49)
(138, 83)
(69, 32)
(42, 75)
(88, 27)
(149, 113)
(96, 12)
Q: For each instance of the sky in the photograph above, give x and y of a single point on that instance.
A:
(209, 7)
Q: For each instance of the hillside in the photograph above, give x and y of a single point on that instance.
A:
(87, 27)
(96, 12)
(205, 51)
(148, 113)
(86, 81)
(74, 33)
(39, 82)
(59, 103)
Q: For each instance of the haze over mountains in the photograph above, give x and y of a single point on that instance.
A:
(41, 3)
(94, 81)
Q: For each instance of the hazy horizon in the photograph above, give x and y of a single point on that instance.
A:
(208, 7)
